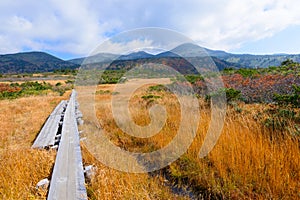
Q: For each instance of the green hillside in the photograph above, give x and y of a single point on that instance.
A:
(32, 62)
(254, 61)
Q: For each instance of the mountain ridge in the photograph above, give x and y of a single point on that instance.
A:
(32, 62)
(37, 61)
(239, 60)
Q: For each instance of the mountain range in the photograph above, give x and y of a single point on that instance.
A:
(32, 62)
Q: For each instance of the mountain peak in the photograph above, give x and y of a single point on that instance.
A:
(189, 50)
(136, 55)
(31, 62)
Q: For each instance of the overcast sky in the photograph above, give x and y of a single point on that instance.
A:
(73, 28)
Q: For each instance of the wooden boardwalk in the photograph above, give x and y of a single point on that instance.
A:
(67, 180)
(61, 129)
(48, 134)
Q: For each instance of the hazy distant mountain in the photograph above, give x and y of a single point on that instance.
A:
(107, 57)
(189, 50)
(254, 61)
(222, 58)
(31, 62)
(101, 57)
(167, 54)
(135, 56)
(180, 64)
(218, 53)
(223, 64)
(241, 60)
(259, 61)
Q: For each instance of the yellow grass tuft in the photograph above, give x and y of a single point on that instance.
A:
(22, 167)
(245, 163)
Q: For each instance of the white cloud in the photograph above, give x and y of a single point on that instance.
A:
(123, 47)
(235, 22)
(66, 26)
(77, 27)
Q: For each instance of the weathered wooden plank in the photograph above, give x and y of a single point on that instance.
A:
(47, 134)
(67, 180)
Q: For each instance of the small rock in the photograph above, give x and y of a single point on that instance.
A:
(42, 184)
(89, 172)
(79, 121)
(54, 147)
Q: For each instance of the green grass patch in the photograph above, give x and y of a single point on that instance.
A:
(157, 88)
(16, 90)
(150, 96)
(112, 76)
(103, 92)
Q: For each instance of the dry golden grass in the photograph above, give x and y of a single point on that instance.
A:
(245, 163)
(108, 183)
(22, 167)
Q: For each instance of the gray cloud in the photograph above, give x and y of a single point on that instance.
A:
(77, 27)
